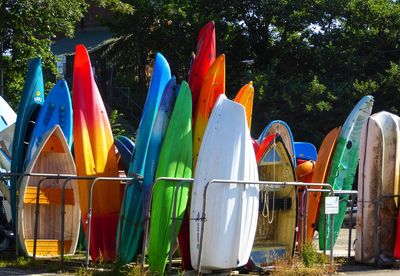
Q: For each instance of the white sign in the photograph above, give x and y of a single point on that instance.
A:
(331, 205)
(60, 68)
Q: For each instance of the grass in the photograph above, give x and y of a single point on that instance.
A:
(308, 262)
(34, 265)
(127, 270)
(310, 257)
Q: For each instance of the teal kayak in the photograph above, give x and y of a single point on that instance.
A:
(32, 99)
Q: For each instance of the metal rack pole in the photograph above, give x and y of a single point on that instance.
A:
(148, 211)
(37, 216)
(275, 183)
(89, 216)
(351, 193)
(174, 219)
(66, 181)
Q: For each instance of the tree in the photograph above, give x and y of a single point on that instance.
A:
(310, 61)
(26, 30)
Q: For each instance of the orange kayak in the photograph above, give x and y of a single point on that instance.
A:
(305, 170)
(95, 156)
(319, 176)
(245, 96)
(213, 86)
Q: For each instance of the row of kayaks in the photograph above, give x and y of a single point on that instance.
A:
(187, 130)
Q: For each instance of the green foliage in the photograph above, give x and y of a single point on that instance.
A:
(116, 6)
(310, 61)
(310, 257)
(115, 121)
(26, 30)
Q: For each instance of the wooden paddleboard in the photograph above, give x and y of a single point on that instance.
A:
(284, 131)
(277, 215)
(52, 156)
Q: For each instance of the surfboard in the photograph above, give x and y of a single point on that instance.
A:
(277, 215)
(231, 210)
(157, 137)
(52, 156)
(56, 110)
(7, 114)
(378, 174)
(284, 131)
(131, 223)
(95, 156)
(344, 165)
(319, 175)
(175, 161)
(32, 98)
(205, 56)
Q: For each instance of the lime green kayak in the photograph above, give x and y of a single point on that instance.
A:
(175, 161)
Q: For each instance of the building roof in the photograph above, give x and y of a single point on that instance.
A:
(91, 38)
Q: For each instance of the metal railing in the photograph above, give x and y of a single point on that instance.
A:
(67, 178)
(127, 181)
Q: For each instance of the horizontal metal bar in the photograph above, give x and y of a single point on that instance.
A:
(318, 190)
(344, 192)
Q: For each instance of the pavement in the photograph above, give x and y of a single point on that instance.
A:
(350, 267)
(22, 272)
